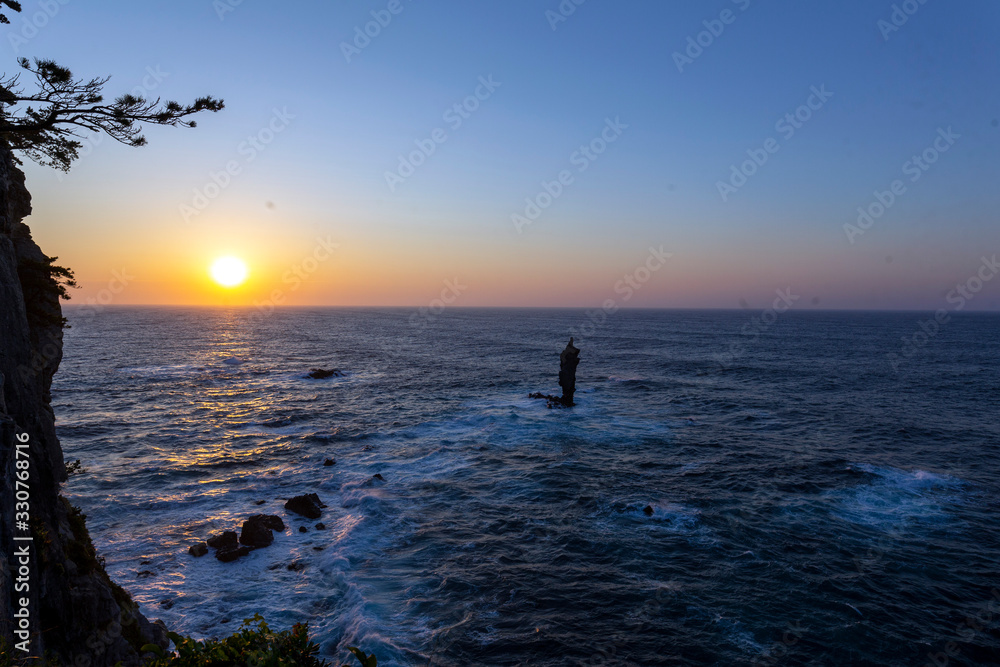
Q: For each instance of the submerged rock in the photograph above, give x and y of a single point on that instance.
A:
(375, 480)
(322, 373)
(550, 400)
(648, 510)
(229, 554)
(303, 529)
(330, 462)
(308, 505)
(320, 526)
(226, 540)
(198, 550)
(296, 566)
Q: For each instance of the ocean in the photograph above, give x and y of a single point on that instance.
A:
(813, 499)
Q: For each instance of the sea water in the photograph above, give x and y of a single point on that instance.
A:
(723, 493)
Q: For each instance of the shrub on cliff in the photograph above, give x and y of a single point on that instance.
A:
(255, 644)
(40, 282)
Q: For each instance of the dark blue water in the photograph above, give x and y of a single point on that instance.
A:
(812, 504)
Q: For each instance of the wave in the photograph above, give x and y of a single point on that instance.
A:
(895, 498)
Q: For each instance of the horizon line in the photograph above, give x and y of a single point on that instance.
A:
(811, 309)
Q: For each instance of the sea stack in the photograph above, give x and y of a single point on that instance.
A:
(569, 359)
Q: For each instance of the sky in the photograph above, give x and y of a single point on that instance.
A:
(534, 152)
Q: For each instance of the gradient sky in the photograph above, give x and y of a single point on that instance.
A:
(323, 175)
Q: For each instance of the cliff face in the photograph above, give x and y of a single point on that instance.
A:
(74, 611)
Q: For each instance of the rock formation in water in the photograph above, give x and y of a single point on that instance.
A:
(256, 531)
(225, 540)
(323, 373)
(569, 359)
(74, 611)
(308, 505)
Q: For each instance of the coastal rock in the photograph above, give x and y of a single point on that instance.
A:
(198, 550)
(322, 373)
(296, 566)
(308, 505)
(330, 462)
(569, 359)
(255, 535)
(303, 529)
(71, 598)
(272, 521)
(320, 526)
(229, 554)
(648, 510)
(256, 531)
(550, 400)
(226, 540)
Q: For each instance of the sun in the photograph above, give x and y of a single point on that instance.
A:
(229, 271)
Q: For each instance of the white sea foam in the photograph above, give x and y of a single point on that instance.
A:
(896, 498)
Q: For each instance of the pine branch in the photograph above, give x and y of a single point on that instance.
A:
(41, 133)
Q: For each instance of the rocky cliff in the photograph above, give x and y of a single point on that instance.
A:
(59, 588)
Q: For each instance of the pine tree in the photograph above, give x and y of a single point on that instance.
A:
(47, 123)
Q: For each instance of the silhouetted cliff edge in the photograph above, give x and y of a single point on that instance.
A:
(76, 613)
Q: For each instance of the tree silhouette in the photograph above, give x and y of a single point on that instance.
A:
(16, 6)
(46, 124)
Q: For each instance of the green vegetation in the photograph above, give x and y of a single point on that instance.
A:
(39, 534)
(82, 552)
(45, 276)
(81, 549)
(254, 644)
(40, 280)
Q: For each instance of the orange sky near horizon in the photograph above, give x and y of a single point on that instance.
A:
(347, 258)
(614, 149)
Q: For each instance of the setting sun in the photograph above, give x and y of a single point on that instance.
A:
(229, 271)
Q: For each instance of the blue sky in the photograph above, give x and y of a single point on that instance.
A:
(324, 173)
